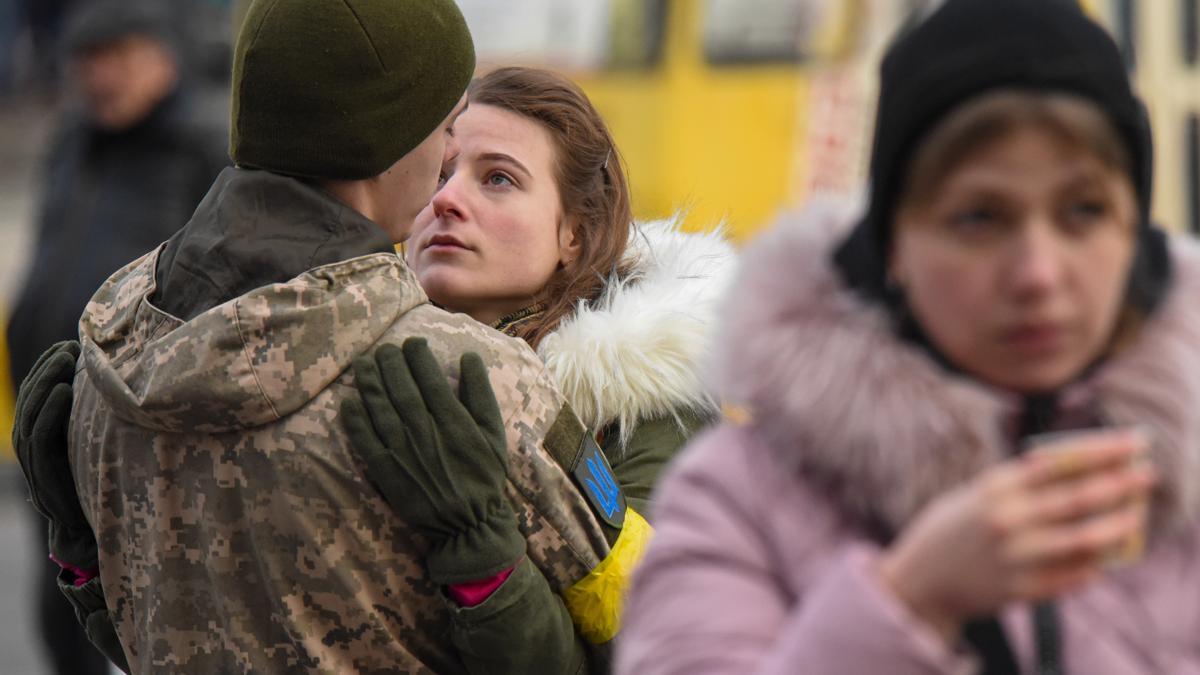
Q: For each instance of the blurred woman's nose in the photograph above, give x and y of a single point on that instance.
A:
(1037, 265)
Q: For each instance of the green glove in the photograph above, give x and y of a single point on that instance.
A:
(92, 611)
(439, 460)
(43, 413)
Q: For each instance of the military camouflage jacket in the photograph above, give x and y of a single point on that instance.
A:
(237, 531)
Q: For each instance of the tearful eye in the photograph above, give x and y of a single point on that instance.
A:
(442, 178)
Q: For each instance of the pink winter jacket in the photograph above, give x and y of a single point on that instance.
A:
(757, 565)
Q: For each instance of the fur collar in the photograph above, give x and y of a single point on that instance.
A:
(636, 352)
(882, 428)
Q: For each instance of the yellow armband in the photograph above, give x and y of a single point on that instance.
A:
(595, 601)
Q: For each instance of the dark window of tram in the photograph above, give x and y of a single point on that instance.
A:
(1126, 30)
(637, 33)
(759, 31)
(919, 10)
(1192, 189)
(1190, 20)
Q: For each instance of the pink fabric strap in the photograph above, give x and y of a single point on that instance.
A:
(82, 576)
(472, 593)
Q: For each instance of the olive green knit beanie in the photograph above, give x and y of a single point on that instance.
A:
(342, 89)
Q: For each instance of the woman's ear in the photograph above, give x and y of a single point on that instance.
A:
(570, 244)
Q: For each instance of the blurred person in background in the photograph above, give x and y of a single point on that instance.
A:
(124, 172)
(884, 498)
(530, 231)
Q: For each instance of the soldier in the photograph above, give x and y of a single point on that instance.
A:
(237, 531)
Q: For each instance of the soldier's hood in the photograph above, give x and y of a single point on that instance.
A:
(244, 363)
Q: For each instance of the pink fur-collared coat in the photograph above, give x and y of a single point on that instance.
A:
(759, 564)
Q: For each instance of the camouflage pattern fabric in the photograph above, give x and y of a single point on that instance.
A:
(237, 531)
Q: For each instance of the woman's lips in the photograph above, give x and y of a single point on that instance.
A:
(1036, 338)
(445, 242)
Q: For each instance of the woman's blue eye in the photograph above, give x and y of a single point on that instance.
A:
(499, 180)
(442, 178)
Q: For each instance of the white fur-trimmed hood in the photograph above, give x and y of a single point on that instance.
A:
(637, 352)
(883, 428)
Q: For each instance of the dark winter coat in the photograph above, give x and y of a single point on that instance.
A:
(108, 198)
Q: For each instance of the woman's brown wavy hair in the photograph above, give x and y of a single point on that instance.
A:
(591, 183)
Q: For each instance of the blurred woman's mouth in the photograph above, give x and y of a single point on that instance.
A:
(1036, 338)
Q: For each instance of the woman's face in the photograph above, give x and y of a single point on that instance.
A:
(1016, 267)
(493, 234)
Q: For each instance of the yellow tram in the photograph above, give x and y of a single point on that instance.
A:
(733, 109)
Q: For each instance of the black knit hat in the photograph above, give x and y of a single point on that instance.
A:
(342, 89)
(98, 22)
(968, 48)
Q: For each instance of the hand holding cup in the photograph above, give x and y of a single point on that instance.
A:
(1028, 529)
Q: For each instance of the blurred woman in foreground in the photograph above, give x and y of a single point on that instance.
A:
(887, 500)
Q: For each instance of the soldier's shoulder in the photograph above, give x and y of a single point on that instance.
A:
(450, 334)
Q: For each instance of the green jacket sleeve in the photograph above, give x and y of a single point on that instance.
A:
(654, 443)
(523, 627)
